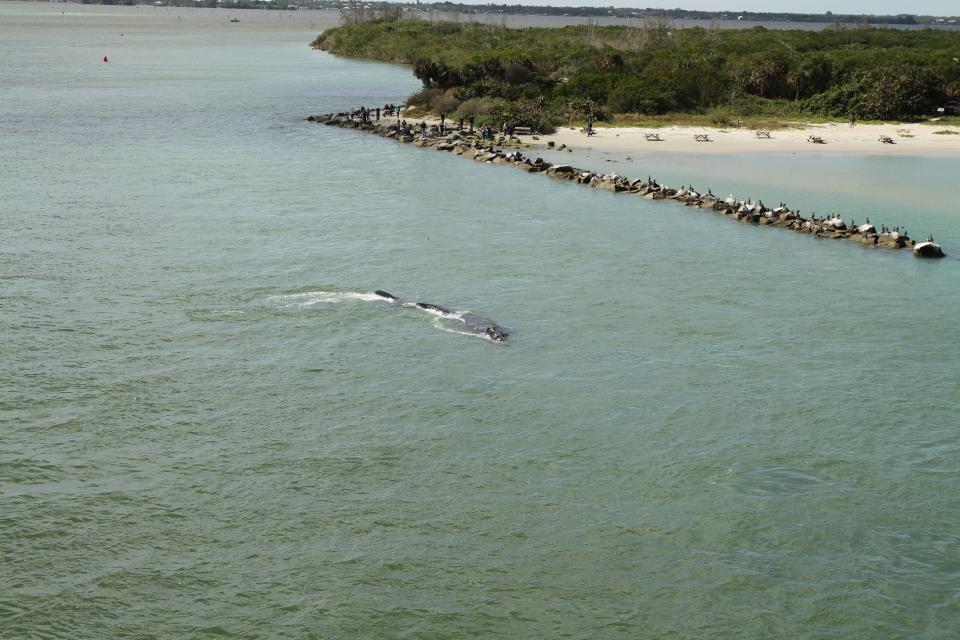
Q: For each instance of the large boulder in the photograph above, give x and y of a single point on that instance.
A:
(928, 249)
(827, 232)
(891, 240)
(612, 185)
(869, 239)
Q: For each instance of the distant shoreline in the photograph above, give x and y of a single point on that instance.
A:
(839, 139)
(596, 13)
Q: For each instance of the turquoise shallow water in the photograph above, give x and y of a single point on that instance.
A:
(700, 430)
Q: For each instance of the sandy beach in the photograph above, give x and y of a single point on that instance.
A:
(839, 139)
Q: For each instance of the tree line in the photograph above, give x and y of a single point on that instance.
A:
(592, 71)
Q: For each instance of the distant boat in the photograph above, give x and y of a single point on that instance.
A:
(234, 19)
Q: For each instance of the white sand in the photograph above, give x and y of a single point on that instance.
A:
(840, 139)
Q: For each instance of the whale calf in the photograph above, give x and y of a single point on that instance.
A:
(476, 324)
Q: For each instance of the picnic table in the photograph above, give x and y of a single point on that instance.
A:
(886, 140)
(763, 134)
(653, 137)
(701, 137)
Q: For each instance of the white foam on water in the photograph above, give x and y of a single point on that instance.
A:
(311, 298)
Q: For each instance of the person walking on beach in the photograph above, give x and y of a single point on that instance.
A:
(853, 121)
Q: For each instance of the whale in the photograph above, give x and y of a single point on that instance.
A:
(426, 306)
(476, 324)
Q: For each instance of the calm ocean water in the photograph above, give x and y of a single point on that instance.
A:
(700, 430)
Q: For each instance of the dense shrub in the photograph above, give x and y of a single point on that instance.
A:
(477, 107)
(870, 73)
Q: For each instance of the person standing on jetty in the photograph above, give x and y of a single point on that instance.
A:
(443, 117)
(378, 114)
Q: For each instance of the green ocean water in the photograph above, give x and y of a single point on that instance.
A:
(208, 428)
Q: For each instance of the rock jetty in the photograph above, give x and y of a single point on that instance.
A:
(472, 146)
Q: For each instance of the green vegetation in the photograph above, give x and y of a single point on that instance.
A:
(541, 76)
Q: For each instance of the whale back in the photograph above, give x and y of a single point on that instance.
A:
(434, 307)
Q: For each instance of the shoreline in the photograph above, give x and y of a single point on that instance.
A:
(746, 210)
(838, 139)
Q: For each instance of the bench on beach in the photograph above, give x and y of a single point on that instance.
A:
(886, 140)
(653, 137)
(522, 131)
(701, 137)
(763, 134)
